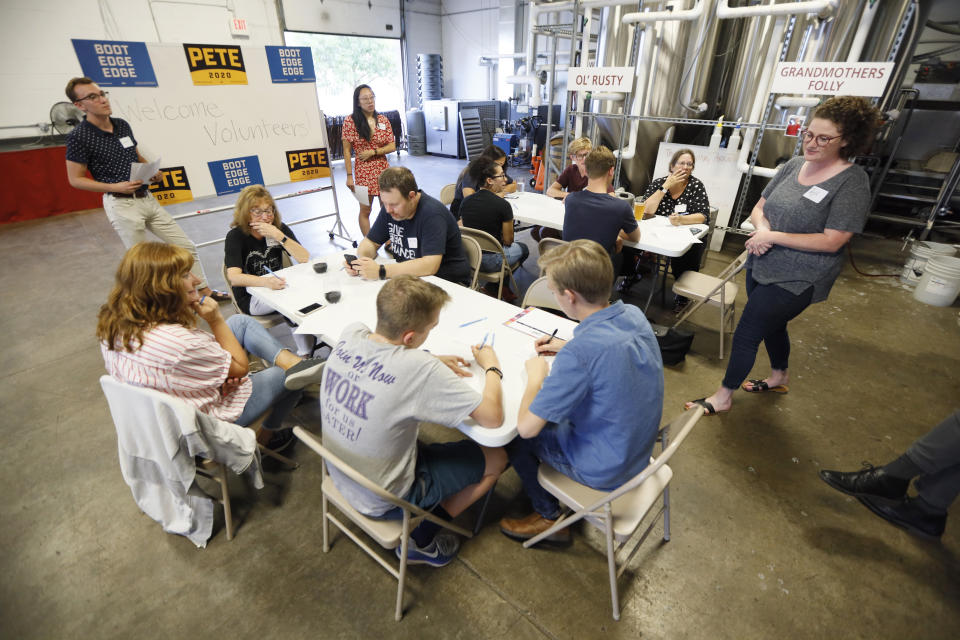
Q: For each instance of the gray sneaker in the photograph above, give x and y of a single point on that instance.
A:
(305, 372)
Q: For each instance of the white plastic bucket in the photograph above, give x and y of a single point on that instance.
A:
(919, 254)
(940, 283)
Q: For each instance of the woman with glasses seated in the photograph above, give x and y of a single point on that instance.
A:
(149, 338)
(683, 199)
(254, 247)
(806, 215)
(465, 189)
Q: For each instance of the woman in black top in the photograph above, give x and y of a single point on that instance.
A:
(683, 199)
(254, 246)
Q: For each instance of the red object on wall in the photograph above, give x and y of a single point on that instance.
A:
(34, 185)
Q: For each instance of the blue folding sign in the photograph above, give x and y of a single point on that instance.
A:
(233, 174)
(291, 64)
(112, 63)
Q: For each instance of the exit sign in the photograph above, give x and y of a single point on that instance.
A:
(238, 27)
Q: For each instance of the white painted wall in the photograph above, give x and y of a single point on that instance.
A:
(470, 30)
(38, 58)
(378, 18)
(423, 36)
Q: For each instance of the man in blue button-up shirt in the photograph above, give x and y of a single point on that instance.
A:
(596, 415)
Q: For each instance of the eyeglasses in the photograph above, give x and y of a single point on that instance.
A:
(266, 212)
(581, 156)
(821, 140)
(499, 175)
(94, 96)
(685, 164)
(370, 99)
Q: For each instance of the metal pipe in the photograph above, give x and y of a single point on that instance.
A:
(653, 16)
(782, 9)
(860, 38)
(776, 38)
(796, 101)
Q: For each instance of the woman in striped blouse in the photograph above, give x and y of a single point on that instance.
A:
(149, 338)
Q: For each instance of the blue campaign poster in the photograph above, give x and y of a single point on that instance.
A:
(110, 63)
(291, 64)
(233, 174)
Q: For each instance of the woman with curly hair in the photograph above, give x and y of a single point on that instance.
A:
(805, 217)
(149, 338)
(370, 135)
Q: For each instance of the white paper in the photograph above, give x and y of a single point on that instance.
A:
(126, 142)
(815, 193)
(537, 322)
(362, 194)
(143, 171)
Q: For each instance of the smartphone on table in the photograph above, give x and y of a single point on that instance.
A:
(310, 308)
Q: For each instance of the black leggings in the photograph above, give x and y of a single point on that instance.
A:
(765, 316)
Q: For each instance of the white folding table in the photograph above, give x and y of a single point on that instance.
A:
(469, 318)
(657, 235)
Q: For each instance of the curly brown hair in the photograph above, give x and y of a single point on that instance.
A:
(856, 118)
(148, 291)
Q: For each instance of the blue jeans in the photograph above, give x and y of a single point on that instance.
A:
(765, 316)
(268, 390)
(515, 253)
(526, 455)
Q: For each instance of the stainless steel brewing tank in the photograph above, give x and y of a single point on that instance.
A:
(666, 50)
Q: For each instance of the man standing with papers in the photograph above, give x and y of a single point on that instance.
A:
(107, 148)
(595, 417)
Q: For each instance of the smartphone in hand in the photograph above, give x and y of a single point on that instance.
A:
(349, 258)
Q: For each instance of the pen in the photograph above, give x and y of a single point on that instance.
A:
(552, 336)
(202, 299)
(270, 271)
(467, 324)
(485, 336)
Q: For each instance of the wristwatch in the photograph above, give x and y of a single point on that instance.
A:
(665, 190)
(383, 272)
(284, 240)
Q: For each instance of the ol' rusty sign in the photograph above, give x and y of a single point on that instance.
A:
(613, 79)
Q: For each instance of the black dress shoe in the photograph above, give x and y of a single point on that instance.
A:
(909, 514)
(871, 481)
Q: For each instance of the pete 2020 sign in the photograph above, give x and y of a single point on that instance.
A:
(614, 79)
(215, 64)
(867, 79)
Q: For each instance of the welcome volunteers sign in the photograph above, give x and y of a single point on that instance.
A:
(867, 79)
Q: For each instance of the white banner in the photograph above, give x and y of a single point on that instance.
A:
(614, 79)
(833, 78)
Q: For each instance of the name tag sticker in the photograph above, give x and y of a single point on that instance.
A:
(381, 126)
(126, 142)
(815, 193)
(412, 243)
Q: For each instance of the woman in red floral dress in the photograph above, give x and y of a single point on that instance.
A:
(370, 135)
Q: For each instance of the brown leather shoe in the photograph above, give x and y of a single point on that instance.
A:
(533, 524)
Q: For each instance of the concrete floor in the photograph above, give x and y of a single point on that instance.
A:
(761, 547)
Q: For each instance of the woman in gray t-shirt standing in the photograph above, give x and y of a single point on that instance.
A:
(806, 215)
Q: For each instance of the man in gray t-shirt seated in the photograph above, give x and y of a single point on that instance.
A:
(378, 386)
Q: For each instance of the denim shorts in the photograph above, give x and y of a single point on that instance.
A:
(443, 469)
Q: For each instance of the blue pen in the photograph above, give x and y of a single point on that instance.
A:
(467, 324)
(485, 336)
(270, 271)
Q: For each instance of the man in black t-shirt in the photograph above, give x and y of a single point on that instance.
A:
(487, 211)
(106, 147)
(424, 237)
